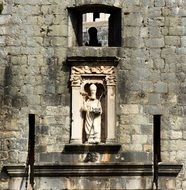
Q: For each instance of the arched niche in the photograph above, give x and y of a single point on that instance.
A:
(101, 96)
(102, 73)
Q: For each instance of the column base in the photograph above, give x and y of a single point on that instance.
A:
(111, 141)
(75, 141)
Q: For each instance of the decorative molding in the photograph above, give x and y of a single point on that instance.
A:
(76, 60)
(95, 169)
(106, 70)
(77, 72)
(75, 80)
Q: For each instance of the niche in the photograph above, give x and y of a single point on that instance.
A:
(104, 20)
(93, 92)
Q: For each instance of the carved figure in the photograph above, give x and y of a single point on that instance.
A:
(93, 110)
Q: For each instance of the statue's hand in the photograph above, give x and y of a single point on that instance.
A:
(96, 110)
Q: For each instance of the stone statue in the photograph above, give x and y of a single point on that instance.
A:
(93, 110)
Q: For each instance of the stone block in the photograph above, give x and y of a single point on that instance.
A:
(136, 147)
(184, 135)
(133, 20)
(182, 99)
(4, 185)
(144, 31)
(166, 52)
(5, 19)
(154, 42)
(49, 183)
(176, 135)
(183, 41)
(125, 139)
(159, 63)
(131, 31)
(147, 87)
(184, 184)
(172, 41)
(158, 21)
(155, 75)
(180, 155)
(58, 30)
(134, 184)
(154, 32)
(130, 109)
(170, 184)
(139, 139)
(133, 42)
(182, 12)
(173, 21)
(59, 41)
(155, 53)
(149, 3)
(154, 12)
(153, 109)
(181, 51)
(22, 157)
(160, 87)
(146, 129)
(177, 31)
(159, 3)
(154, 99)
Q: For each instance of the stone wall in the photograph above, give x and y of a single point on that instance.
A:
(151, 79)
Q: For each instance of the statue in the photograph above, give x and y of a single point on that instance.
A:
(92, 123)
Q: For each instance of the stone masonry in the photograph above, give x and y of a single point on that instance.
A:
(151, 79)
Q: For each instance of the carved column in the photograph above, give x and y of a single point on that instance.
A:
(76, 120)
(111, 108)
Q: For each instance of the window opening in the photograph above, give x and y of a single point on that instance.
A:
(95, 29)
(106, 20)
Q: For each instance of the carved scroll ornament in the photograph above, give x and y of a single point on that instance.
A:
(78, 71)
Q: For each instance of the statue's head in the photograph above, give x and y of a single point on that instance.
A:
(93, 90)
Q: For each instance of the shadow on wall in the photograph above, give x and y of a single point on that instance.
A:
(1, 8)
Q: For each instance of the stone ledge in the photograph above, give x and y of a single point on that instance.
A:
(95, 169)
(87, 51)
(105, 60)
(84, 148)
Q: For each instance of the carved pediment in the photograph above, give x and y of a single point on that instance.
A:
(78, 71)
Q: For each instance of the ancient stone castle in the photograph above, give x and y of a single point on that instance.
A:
(92, 104)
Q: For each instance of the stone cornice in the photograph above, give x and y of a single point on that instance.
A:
(89, 51)
(80, 60)
(95, 169)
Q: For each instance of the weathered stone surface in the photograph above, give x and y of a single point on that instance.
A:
(35, 40)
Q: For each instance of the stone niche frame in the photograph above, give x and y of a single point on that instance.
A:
(99, 70)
